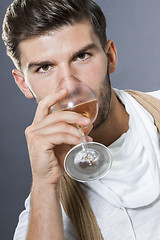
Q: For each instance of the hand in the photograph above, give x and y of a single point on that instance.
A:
(50, 137)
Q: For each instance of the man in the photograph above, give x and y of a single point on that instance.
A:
(54, 41)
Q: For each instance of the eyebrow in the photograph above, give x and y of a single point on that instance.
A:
(39, 64)
(91, 46)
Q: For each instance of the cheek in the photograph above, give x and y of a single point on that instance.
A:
(98, 75)
(39, 88)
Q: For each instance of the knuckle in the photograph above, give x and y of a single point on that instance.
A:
(42, 102)
(27, 131)
(36, 139)
(31, 135)
(64, 126)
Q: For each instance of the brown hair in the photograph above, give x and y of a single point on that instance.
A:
(29, 18)
(78, 209)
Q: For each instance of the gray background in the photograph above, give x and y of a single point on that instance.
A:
(134, 27)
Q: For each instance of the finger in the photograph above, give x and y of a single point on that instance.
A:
(55, 129)
(65, 138)
(67, 117)
(44, 105)
(43, 143)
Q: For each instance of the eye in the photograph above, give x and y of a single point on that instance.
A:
(82, 57)
(44, 68)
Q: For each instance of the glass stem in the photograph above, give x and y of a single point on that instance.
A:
(82, 138)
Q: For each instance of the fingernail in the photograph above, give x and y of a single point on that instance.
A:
(87, 120)
(62, 91)
(89, 139)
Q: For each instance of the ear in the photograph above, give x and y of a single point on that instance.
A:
(20, 81)
(111, 52)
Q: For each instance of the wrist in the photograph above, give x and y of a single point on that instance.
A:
(42, 187)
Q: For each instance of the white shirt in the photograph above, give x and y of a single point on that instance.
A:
(126, 201)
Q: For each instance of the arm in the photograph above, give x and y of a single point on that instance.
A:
(49, 138)
(45, 219)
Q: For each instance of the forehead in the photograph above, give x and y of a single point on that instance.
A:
(58, 43)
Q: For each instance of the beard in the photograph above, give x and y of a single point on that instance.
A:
(104, 99)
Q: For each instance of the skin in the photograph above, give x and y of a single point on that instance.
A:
(46, 61)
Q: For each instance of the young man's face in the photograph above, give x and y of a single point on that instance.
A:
(68, 53)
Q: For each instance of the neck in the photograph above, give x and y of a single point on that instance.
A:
(114, 126)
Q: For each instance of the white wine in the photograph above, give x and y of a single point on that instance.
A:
(87, 109)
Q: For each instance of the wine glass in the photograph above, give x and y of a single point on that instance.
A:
(86, 161)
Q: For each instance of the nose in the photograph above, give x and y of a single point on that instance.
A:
(66, 74)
